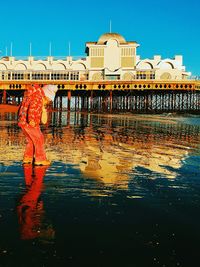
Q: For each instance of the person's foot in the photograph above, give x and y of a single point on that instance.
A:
(27, 161)
(42, 163)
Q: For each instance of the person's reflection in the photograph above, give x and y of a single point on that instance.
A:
(30, 208)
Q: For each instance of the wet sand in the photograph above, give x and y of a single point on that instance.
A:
(121, 191)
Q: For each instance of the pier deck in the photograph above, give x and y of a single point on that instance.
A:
(138, 96)
(107, 85)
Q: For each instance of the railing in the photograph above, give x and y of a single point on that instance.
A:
(22, 75)
(196, 78)
(75, 75)
(44, 58)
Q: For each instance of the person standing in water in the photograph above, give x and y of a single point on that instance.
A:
(31, 111)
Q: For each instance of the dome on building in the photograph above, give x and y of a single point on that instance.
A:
(106, 36)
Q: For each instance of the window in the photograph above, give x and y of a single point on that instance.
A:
(74, 75)
(145, 75)
(17, 76)
(97, 52)
(112, 77)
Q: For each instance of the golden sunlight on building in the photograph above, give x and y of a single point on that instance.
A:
(109, 58)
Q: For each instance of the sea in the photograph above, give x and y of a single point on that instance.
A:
(121, 190)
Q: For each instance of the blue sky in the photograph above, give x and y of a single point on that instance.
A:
(160, 27)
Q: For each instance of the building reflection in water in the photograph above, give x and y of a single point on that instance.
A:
(111, 148)
(30, 209)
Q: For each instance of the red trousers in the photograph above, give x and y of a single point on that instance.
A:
(35, 143)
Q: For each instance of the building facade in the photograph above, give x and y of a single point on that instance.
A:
(110, 58)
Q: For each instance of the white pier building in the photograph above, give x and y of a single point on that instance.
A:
(110, 58)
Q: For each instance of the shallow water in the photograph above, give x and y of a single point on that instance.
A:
(122, 190)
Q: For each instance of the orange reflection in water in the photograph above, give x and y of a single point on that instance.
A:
(30, 209)
(110, 148)
(110, 154)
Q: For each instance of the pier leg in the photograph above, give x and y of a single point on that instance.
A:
(91, 101)
(78, 103)
(68, 118)
(82, 102)
(75, 108)
(60, 117)
(55, 103)
(87, 102)
(146, 101)
(18, 100)
(198, 103)
(60, 103)
(104, 103)
(127, 102)
(4, 99)
(68, 100)
(172, 101)
(111, 100)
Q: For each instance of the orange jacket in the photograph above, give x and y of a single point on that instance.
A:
(31, 107)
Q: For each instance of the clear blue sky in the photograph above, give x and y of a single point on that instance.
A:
(160, 27)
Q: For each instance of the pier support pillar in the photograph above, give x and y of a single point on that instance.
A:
(18, 100)
(60, 103)
(111, 100)
(4, 99)
(78, 102)
(68, 119)
(55, 103)
(68, 100)
(91, 101)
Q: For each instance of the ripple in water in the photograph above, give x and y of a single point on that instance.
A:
(122, 190)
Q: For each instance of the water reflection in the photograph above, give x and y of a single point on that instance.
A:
(111, 148)
(117, 185)
(30, 209)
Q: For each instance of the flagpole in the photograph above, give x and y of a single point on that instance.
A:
(110, 26)
(11, 48)
(50, 49)
(30, 49)
(69, 47)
